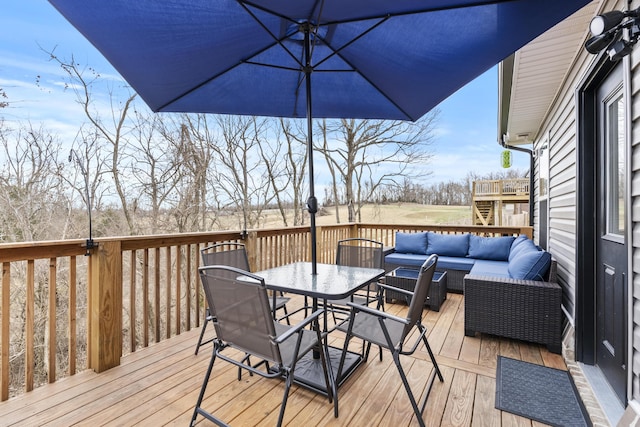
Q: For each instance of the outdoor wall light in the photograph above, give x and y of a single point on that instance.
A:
(607, 30)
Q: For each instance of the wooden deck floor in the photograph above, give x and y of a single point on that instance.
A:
(159, 386)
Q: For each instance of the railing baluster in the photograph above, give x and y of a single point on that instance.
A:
(168, 290)
(4, 350)
(30, 331)
(178, 286)
(132, 301)
(156, 295)
(145, 297)
(73, 291)
(51, 320)
(197, 286)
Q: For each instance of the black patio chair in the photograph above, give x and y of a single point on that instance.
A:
(234, 255)
(359, 252)
(390, 332)
(243, 321)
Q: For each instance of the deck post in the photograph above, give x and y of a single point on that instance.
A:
(251, 243)
(105, 306)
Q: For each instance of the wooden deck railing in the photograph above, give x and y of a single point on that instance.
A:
(132, 291)
(502, 187)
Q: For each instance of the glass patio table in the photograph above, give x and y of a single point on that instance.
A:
(332, 282)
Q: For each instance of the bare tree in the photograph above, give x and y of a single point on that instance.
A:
(156, 170)
(366, 154)
(193, 141)
(331, 165)
(31, 190)
(239, 169)
(287, 177)
(112, 130)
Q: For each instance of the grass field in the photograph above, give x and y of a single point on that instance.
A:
(397, 213)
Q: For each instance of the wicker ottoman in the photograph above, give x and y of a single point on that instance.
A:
(405, 278)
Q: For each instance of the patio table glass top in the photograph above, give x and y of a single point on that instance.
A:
(331, 282)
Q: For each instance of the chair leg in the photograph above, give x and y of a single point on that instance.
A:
(433, 358)
(204, 328)
(329, 378)
(405, 382)
(198, 410)
(288, 382)
(340, 366)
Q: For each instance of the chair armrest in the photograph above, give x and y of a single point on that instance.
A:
(377, 313)
(396, 289)
(298, 327)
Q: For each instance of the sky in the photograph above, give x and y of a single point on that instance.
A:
(466, 132)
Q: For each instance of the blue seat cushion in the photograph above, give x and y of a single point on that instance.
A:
(530, 265)
(483, 267)
(447, 244)
(411, 243)
(413, 260)
(491, 248)
(454, 263)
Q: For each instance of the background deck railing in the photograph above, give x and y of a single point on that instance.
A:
(63, 312)
(501, 187)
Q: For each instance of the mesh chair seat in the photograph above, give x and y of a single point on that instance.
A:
(288, 347)
(366, 326)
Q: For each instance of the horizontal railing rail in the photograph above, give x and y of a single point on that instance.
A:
(63, 312)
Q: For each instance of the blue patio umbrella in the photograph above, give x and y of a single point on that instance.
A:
(376, 59)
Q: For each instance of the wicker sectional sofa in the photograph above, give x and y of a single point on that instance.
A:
(510, 285)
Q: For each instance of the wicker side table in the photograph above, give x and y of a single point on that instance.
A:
(405, 278)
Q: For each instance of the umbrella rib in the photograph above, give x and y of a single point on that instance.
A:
(364, 18)
(417, 12)
(316, 27)
(337, 51)
(275, 38)
(210, 79)
(277, 41)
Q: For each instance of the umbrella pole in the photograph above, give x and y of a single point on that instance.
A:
(312, 202)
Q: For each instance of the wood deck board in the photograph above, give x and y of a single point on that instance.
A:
(159, 385)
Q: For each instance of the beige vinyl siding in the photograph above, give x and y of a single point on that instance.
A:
(561, 131)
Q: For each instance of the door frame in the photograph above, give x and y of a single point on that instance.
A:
(586, 164)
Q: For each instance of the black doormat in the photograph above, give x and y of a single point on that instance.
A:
(539, 393)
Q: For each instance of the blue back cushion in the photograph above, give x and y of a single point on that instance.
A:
(491, 248)
(517, 245)
(530, 265)
(411, 243)
(447, 244)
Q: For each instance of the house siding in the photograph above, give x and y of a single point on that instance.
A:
(559, 133)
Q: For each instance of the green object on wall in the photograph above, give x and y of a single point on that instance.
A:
(506, 159)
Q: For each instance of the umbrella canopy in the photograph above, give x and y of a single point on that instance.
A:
(376, 59)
